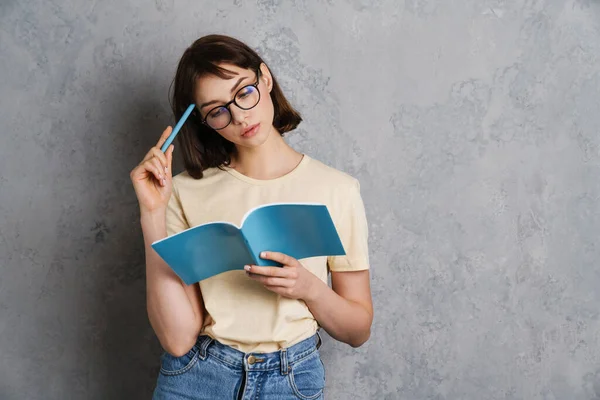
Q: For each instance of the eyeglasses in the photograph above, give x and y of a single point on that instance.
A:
(245, 98)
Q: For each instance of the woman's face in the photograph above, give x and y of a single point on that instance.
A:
(248, 128)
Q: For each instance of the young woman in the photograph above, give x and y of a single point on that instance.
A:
(249, 334)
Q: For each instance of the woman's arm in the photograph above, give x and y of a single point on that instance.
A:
(345, 311)
(175, 310)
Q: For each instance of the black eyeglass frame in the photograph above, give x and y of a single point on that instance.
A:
(226, 105)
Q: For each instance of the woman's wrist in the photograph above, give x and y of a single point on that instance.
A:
(154, 225)
(317, 289)
(154, 216)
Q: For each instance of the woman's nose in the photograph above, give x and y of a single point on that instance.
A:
(237, 114)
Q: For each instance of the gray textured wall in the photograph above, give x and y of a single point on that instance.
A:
(474, 127)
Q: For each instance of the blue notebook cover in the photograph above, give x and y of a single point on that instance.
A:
(300, 230)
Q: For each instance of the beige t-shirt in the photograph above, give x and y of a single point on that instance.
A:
(241, 312)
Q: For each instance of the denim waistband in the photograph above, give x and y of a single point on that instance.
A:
(280, 359)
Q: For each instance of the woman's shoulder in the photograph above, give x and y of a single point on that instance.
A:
(327, 174)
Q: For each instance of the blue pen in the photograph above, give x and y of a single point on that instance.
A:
(185, 116)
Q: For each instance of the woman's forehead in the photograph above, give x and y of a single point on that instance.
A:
(209, 85)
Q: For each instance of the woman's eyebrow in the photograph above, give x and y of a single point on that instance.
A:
(233, 89)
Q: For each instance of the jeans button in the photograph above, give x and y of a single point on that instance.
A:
(251, 360)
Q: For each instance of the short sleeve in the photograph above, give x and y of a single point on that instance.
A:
(176, 221)
(353, 230)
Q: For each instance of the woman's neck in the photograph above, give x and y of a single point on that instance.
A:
(272, 159)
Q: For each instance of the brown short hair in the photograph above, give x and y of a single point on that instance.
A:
(201, 146)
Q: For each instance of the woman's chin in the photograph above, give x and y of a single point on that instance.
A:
(260, 137)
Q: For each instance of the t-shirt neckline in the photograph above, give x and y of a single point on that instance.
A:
(305, 159)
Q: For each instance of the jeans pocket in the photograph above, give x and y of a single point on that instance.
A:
(171, 365)
(307, 377)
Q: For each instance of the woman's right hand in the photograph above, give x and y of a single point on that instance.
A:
(152, 178)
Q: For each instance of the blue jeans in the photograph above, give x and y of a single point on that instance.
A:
(214, 371)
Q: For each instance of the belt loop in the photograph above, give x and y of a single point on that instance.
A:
(204, 343)
(320, 340)
(284, 362)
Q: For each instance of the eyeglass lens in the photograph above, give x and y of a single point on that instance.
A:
(246, 98)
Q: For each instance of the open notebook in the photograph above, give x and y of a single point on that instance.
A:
(300, 230)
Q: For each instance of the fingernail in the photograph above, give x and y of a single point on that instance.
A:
(263, 254)
(164, 181)
(247, 267)
(166, 169)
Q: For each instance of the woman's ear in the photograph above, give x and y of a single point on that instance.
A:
(265, 75)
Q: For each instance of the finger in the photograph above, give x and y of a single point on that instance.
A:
(170, 160)
(268, 271)
(137, 172)
(148, 155)
(164, 137)
(279, 257)
(160, 156)
(272, 281)
(280, 290)
(150, 167)
(160, 169)
(159, 165)
(156, 149)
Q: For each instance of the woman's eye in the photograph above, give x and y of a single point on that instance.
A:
(245, 93)
(216, 113)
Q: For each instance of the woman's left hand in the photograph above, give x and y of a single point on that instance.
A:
(292, 280)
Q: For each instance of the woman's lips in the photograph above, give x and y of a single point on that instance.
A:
(251, 131)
